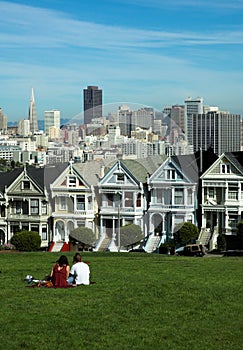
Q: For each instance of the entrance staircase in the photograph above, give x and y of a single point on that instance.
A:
(205, 236)
(59, 247)
(152, 243)
(104, 244)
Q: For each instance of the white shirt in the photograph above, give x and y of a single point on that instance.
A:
(81, 273)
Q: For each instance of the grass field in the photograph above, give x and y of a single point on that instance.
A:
(139, 301)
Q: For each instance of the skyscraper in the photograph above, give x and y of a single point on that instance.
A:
(32, 113)
(219, 130)
(92, 103)
(3, 121)
(192, 106)
(52, 120)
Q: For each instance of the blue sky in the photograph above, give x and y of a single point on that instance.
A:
(151, 52)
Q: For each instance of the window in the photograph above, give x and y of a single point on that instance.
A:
(110, 200)
(139, 200)
(120, 177)
(35, 228)
(80, 203)
(26, 185)
(211, 192)
(72, 181)
(43, 208)
(44, 233)
(233, 193)
(189, 197)
(18, 207)
(34, 207)
(225, 168)
(128, 199)
(62, 203)
(179, 196)
(171, 174)
(159, 195)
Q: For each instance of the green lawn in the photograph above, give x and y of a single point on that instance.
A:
(139, 301)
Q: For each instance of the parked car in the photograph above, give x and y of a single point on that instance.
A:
(194, 250)
(180, 251)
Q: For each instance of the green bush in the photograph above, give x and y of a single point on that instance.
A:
(186, 233)
(130, 235)
(26, 241)
(221, 242)
(83, 235)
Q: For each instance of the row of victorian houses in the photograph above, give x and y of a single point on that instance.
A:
(157, 193)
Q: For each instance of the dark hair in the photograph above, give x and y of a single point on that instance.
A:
(77, 258)
(62, 260)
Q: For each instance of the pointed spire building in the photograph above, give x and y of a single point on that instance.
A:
(32, 114)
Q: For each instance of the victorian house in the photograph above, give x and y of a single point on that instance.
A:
(173, 198)
(222, 198)
(73, 203)
(123, 199)
(24, 203)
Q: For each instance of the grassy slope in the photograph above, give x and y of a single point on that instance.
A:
(139, 301)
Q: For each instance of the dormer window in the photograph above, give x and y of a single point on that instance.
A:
(225, 168)
(171, 174)
(26, 185)
(72, 181)
(120, 177)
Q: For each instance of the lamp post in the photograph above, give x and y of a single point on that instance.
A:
(119, 227)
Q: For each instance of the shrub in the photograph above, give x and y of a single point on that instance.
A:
(83, 235)
(186, 233)
(130, 235)
(26, 241)
(221, 242)
(239, 232)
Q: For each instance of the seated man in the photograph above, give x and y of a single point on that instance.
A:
(80, 272)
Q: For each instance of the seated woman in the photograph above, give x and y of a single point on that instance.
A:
(60, 272)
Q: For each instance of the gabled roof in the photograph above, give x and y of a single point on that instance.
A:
(188, 166)
(40, 176)
(7, 178)
(236, 158)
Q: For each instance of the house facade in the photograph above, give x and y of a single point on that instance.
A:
(173, 199)
(222, 198)
(72, 201)
(122, 202)
(26, 203)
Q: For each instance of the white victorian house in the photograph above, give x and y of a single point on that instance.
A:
(72, 203)
(173, 198)
(222, 198)
(122, 202)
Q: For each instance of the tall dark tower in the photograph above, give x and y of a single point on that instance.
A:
(32, 113)
(92, 103)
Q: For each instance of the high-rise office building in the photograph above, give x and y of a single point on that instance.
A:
(3, 121)
(220, 131)
(92, 103)
(52, 120)
(24, 127)
(143, 118)
(32, 114)
(192, 106)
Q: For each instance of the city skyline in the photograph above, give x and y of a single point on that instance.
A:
(147, 52)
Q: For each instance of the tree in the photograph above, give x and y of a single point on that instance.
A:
(26, 241)
(185, 233)
(130, 235)
(239, 232)
(83, 235)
